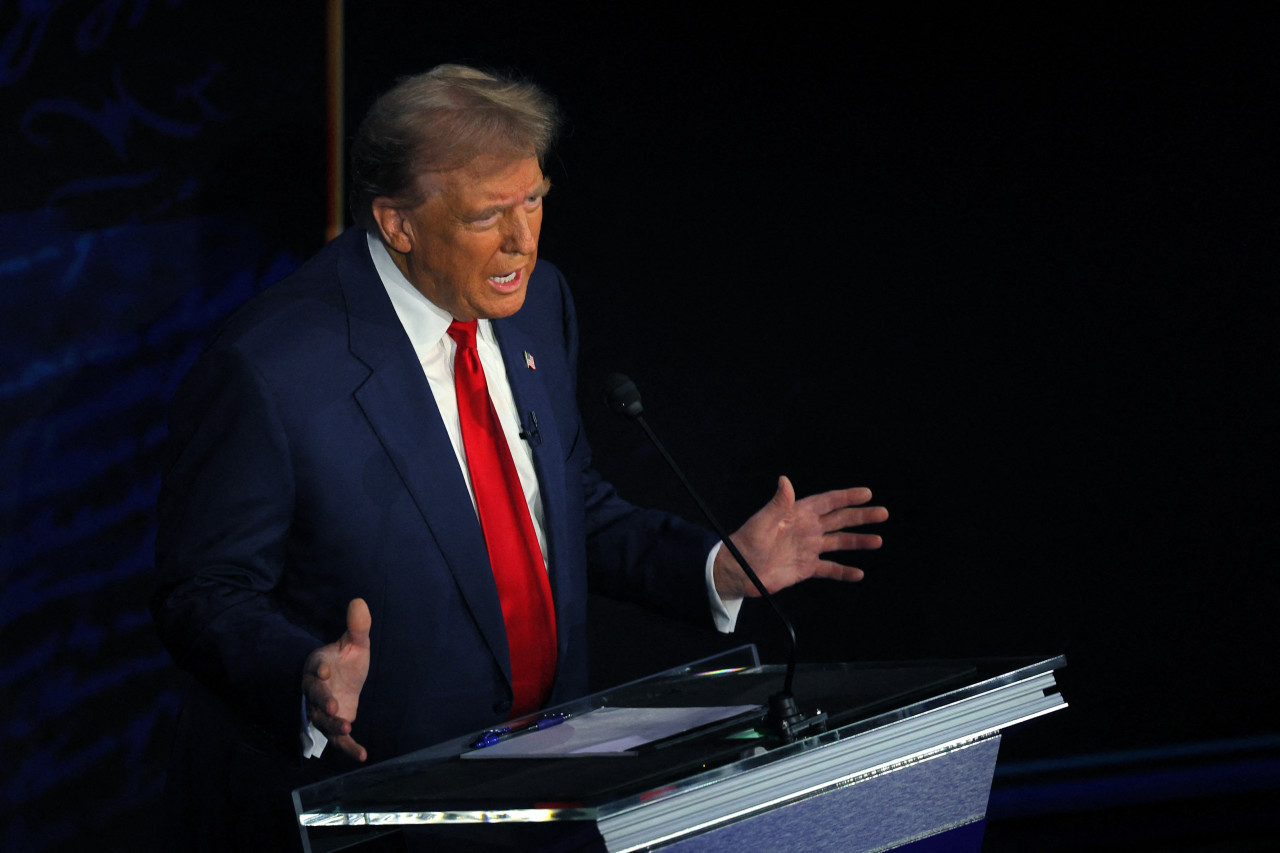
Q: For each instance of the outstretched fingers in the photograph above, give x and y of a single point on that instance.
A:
(837, 499)
(837, 571)
(843, 540)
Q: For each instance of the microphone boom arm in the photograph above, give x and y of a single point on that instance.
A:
(623, 397)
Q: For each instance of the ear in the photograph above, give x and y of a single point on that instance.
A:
(396, 228)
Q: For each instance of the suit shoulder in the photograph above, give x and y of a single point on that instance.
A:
(548, 282)
(548, 299)
(309, 299)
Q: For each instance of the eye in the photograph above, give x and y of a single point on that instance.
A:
(533, 202)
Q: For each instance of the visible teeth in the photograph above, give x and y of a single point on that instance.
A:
(505, 279)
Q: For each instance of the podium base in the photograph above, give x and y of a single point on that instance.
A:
(915, 807)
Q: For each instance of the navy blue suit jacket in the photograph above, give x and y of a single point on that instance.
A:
(308, 465)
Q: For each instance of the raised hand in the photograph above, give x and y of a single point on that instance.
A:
(785, 540)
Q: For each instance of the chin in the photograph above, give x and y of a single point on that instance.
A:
(504, 307)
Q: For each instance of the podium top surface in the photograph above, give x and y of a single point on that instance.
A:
(906, 708)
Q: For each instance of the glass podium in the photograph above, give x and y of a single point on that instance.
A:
(684, 760)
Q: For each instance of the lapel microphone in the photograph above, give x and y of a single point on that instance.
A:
(531, 433)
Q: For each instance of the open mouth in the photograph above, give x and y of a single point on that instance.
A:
(504, 279)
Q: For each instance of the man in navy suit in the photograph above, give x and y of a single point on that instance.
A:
(323, 573)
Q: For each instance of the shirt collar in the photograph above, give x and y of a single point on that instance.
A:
(425, 322)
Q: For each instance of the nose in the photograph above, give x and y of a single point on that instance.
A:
(520, 237)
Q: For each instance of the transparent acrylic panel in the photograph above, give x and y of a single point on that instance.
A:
(438, 786)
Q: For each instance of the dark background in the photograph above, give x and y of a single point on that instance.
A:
(1014, 271)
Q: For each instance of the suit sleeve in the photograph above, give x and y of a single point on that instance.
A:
(225, 509)
(646, 556)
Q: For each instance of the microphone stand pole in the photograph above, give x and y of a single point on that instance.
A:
(784, 715)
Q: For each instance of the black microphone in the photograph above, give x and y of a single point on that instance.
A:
(531, 434)
(623, 397)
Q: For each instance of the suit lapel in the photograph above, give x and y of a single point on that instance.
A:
(397, 400)
(531, 399)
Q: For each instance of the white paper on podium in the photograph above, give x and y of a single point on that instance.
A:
(608, 731)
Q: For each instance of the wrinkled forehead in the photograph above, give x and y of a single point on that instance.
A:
(487, 180)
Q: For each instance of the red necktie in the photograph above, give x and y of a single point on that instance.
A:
(523, 588)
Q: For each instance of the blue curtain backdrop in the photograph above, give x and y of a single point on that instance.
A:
(162, 162)
(1015, 272)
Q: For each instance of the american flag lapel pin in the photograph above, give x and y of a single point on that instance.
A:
(528, 362)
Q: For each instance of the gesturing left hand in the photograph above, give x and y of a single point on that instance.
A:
(785, 540)
(333, 677)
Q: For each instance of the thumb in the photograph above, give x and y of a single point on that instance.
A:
(359, 621)
(785, 497)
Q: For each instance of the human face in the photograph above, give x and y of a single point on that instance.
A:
(471, 245)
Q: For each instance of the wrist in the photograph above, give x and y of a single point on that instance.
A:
(727, 576)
